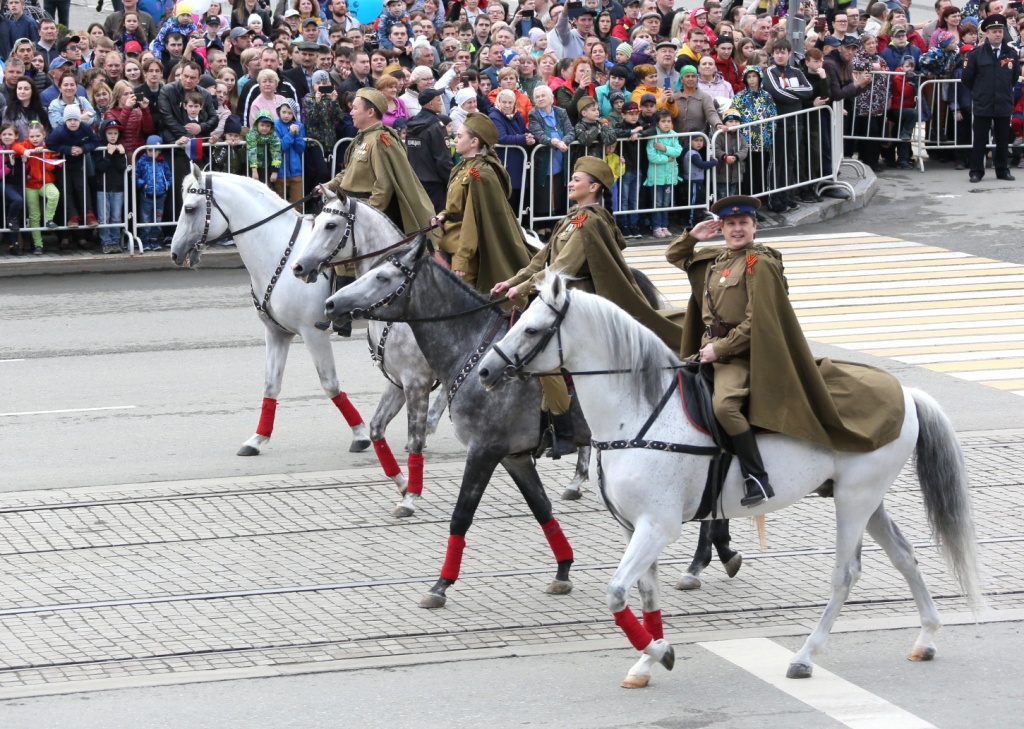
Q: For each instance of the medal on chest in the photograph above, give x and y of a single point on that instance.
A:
(575, 222)
(725, 275)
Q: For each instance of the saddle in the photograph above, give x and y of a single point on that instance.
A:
(698, 389)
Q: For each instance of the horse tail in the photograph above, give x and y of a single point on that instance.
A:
(648, 289)
(943, 478)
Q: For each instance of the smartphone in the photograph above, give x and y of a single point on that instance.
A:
(574, 8)
(819, 24)
(668, 83)
(325, 89)
(526, 14)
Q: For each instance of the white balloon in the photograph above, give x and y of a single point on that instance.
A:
(200, 6)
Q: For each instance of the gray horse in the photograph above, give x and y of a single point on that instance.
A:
(454, 325)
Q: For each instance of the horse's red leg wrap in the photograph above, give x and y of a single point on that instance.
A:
(386, 458)
(266, 426)
(415, 474)
(348, 410)
(637, 634)
(453, 559)
(652, 622)
(559, 544)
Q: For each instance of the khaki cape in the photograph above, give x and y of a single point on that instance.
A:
(478, 189)
(840, 405)
(603, 243)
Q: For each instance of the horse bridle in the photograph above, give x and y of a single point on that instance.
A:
(410, 275)
(350, 216)
(514, 368)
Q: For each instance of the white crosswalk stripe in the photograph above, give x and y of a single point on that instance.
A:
(946, 311)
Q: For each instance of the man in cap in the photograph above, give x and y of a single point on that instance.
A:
(238, 40)
(427, 142)
(630, 18)
(587, 245)
(58, 67)
(664, 61)
(899, 47)
(990, 73)
(301, 74)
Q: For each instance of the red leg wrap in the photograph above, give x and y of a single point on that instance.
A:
(652, 622)
(559, 544)
(415, 474)
(266, 426)
(386, 458)
(348, 410)
(637, 634)
(453, 560)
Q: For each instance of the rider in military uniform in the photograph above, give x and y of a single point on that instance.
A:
(482, 238)
(587, 245)
(377, 171)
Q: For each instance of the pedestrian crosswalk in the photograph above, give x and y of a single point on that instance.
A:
(943, 310)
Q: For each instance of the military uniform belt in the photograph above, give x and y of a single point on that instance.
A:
(717, 331)
(357, 195)
(453, 217)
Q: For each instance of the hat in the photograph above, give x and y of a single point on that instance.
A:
(291, 13)
(850, 41)
(507, 55)
(286, 102)
(535, 35)
(965, 48)
(624, 48)
(587, 11)
(263, 116)
(898, 29)
(233, 124)
(320, 78)
(736, 205)
(72, 111)
(832, 42)
(237, 33)
(444, 119)
(464, 95)
(153, 140)
(969, 21)
(666, 44)
(630, 106)
(183, 8)
(392, 2)
(731, 113)
(648, 99)
(429, 95)
(640, 45)
(214, 20)
(65, 42)
(942, 38)
(57, 62)
(995, 20)
(254, 18)
(686, 70)
(132, 47)
(392, 68)
(374, 97)
(616, 96)
(596, 168)
(309, 21)
(619, 71)
(699, 11)
(308, 46)
(483, 127)
(584, 102)
(110, 124)
(645, 16)
(723, 39)
(751, 69)
(631, 2)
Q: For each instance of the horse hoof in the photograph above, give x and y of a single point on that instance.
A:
(248, 450)
(432, 601)
(633, 682)
(922, 653)
(688, 582)
(571, 494)
(799, 670)
(669, 659)
(559, 587)
(733, 565)
(359, 445)
(401, 511)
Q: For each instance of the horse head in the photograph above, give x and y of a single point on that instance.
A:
(201, 219)
(527, 347)
(381, 291)
(331, 240)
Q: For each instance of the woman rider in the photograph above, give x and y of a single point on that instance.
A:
(481, 235)
(587, 245)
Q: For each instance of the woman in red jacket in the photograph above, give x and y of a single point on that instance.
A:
(136, 121)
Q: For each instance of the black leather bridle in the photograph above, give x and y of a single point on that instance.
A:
(514, 368)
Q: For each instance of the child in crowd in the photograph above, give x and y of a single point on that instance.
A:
(594, 136)
(180, 22)
(731, 150)
(39, 180)
(663, 151)
(231, 157)
(617, 99)
(194, 108)
(131, 30)
(292, 134)
(75, 141)
(153, 178)
(110, 162)
(263, 149)
(694, 166)
(903, 110)
(629, 130)
(14, 200)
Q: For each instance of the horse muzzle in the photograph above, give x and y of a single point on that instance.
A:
(493, 374)
(309, 275)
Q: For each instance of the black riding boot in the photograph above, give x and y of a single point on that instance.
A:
(562, 443)
(755, 479)
(345, 329)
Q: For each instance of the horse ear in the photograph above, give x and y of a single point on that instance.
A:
(557, 285)
(328, 195)
(197, 173)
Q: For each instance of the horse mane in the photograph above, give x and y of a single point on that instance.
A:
(631, 345)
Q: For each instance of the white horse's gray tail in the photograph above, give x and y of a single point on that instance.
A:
(943, 479)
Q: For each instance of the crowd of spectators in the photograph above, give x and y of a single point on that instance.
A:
(274, 81)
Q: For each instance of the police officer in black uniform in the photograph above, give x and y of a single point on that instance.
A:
(990, 72)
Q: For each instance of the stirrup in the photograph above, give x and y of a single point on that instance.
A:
(756, 492)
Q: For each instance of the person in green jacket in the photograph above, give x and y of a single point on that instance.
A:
(663, 150)
(263, 149)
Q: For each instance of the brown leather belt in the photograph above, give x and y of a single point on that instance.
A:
(718, 331)
(453, 217)
(357, 195)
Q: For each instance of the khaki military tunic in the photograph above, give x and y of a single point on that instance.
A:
(365, 175)
(725, 287)
(564, 252)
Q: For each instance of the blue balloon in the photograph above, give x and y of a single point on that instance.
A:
(366, 11)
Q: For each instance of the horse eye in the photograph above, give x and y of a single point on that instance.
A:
(382, 278)
(531, 331)
(190, 209)
(331, 226)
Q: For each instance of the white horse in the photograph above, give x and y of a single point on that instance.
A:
(652, 492)
(216, 205)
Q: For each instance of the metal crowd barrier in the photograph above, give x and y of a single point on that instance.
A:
(939, 102)
(893, 126)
